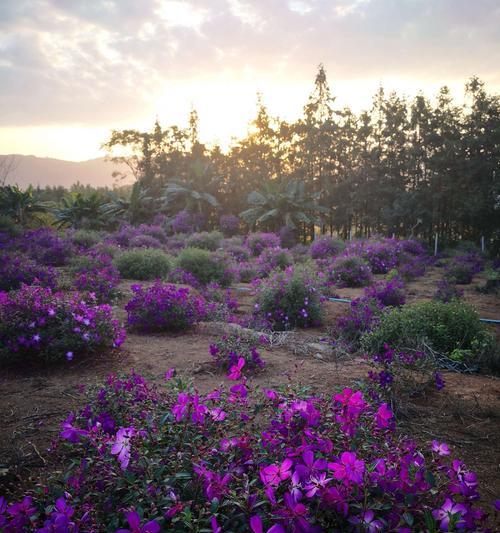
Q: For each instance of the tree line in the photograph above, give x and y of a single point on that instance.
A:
(403, 167)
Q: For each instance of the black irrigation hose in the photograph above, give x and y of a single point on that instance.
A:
(347, 301)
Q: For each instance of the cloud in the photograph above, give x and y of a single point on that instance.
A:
(98, 62)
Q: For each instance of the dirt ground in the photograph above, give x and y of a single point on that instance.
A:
(465, 414)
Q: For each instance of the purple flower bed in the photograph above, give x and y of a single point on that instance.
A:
(44, 246)
(17, 269)
(39, 324)
(164, 307)
(271, 259)
(140, 459)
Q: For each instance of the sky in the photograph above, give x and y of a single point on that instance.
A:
(72, 70)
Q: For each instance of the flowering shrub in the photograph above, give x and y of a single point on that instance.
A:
(163, 308)
(273, 258)
(39, 324)
(139, 236)
(144, 264)
(388, 293)
(325, 247)
(363, 314)
(288, 299)
(382, 255)
(412, 267)
(141, 460)
(246, 271)
(451, 329)
(182, 222)
(17, 269)
(204, 266)
(221, 304)
(99, 279)
(85, 238)
(205, 240)
(446, 291)
(257, 242)
(401, 374)
(236, 251)
(44, 246)
(461, 269)
(229, 225)
(229, 349)
(349, 271)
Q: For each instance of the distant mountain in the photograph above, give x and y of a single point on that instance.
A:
(29, 169)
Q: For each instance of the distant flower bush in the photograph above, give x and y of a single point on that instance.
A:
(447, 291)
(288, 299)
(349, 271)
(17, 269)
(143, 264)
(461, 268)
(141, 460)
(205, 240)
(205, 266)
(182, 222)
(273, 258)
(257, 242)
(326, 247)
(39, 324)
(138, 236)
(144, 241)
(229, 225)
(163, 307)
(237, 251)
(245, 272)
(388, 293)
(382, 255)
(229, 349)
(99, 279)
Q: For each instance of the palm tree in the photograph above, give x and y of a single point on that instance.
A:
(283, 204)
(138, 208)
(78, 210)
(21, 206)
(191, 193)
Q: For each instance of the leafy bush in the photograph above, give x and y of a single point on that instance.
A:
(137, 236)
(16, 269)
(273, 258)
(39, 324)
(182, 222)
(143, 264)
(412, 267)
(204, 266)
(163, 308)
(229, 224)
(288, 299)
(350, 271)
(146, 460)
(257, 242)
(325, 247)
(388, 293)
(205, 240)
(84, 238)
(229, 349)
(451, 329)
(246, 272)
(461, 268)
(236, 251)
(382, 255)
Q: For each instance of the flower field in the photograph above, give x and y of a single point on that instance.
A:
(162, 379)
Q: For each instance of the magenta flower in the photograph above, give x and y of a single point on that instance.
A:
(169, 374)
(70, 432)
(134, 522)
(450, 512)
(440, 448)
(273, 474)
(235, 371)
(349, 468)
(257, 526)
(217, 414)
(215, 526)
(383, 416)
(368, 522)
(316, 484)
(121, 446)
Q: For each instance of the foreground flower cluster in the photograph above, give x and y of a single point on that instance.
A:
(146, 460)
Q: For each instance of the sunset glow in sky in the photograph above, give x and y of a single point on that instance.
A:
(71, 70)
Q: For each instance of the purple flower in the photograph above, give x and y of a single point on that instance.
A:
(440, 448)
(134, 522)
(450, 512)
(121, 446)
